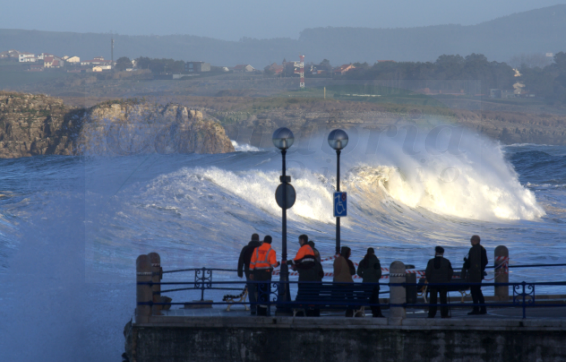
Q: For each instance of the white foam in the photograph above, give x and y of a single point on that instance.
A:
(475, 183)
(244, 147)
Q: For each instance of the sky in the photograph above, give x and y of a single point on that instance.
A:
(232, 20)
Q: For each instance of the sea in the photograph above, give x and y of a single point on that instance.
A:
(71, 227)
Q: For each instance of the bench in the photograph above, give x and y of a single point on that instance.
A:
(313, 296)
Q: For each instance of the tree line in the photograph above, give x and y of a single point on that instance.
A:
(536, 78)
(157, 65)
(549, 81)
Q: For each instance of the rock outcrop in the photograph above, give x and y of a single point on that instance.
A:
(40, 125)
(505, 127)
(130, 127)
(35, 125)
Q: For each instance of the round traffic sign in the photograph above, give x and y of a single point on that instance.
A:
(291, 196)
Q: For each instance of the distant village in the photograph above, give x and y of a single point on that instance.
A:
(74, 64)
(498, 80)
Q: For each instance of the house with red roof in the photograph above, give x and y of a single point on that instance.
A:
(52, 62)
(275, 68)
(344, 69)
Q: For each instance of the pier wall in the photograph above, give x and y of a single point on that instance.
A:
(287, 339)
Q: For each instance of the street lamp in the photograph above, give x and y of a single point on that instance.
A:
(285, 195)
(338, 139)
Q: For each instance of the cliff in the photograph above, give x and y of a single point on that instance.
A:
(132, 127)
(505, 127)
(35, 125)
(40, 125)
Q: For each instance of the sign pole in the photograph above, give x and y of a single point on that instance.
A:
(283, 139)
(284, 268)
(284, 277)
(338, 190)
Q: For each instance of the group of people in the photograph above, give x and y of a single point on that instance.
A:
(258, 260)
(439, 271)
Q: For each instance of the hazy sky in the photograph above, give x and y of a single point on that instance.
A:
(233, 19)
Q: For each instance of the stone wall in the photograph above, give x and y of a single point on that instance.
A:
(339, 339)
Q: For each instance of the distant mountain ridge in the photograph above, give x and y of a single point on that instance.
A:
(535, 31)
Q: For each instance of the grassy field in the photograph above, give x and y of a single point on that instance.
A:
(367, 93)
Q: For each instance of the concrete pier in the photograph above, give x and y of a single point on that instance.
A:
(171, 338)
(213, 334)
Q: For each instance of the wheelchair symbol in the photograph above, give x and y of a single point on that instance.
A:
(340, 204)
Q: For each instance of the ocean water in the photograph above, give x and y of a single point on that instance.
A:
(72, 227)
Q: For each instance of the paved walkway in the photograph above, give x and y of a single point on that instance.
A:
(457, 312)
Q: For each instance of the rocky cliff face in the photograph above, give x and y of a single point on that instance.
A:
(35, 125)
(127, 128)
(41, 125)
(506, 127)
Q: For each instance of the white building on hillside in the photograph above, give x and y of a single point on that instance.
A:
(100, 68)
(24, 57)
(73, 60)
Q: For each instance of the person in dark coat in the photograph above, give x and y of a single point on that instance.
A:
(475, 264)
(306, 265)
(316, 252)
(315, 312)
(344, 270)
(438, 270)
(369, 270)
(244, 269)
(318, 265)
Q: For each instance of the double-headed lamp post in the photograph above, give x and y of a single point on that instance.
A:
(283, 139)
(338, 139)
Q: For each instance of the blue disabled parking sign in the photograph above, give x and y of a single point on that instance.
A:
(340, 204)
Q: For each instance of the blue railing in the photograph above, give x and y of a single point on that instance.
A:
(348, 294)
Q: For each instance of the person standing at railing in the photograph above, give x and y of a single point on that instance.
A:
(475, 264)
(438, 270)
(315, 250)
(244, 269)
(320, 269)
(305, 264)
(264, 259)
(369, 269)
(344, 269)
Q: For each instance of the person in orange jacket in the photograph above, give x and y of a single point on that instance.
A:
(305, 255)
(264, 259)
(306, 264)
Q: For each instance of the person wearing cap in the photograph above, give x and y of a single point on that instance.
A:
(244, 269)
(438, 270)
(475, 265)
(264, 259)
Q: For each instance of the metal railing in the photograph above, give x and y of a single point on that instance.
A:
(524, 293)
(202, 280)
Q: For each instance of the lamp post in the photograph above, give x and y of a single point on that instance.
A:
(283, 139)
(338, 139)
